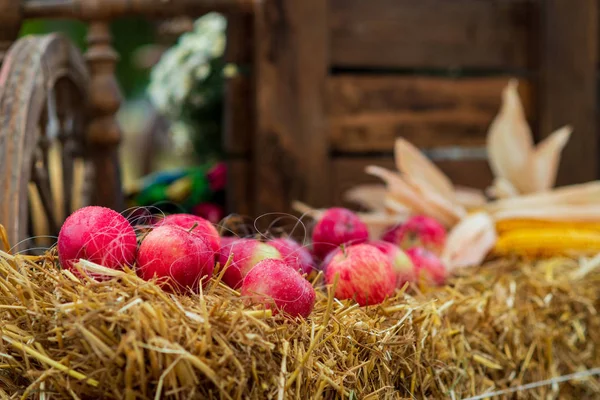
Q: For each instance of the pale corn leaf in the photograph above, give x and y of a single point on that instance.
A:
(469, 241)
(409, 195)
(452, 212)
(397, 186)
(395, 206)
(501, 189)
(411, 162)
(469, 197)
(369, 196)
(545, 160)
(307, 210)
(509, 140)
(581, 194)
(573, 213)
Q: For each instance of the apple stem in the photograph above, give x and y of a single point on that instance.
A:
(193, 227)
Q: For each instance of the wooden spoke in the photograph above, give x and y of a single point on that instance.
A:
(41, 178)
(68, 152)
(70, 135)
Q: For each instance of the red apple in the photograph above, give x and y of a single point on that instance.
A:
(179, 259)
(419, 231)
(209, 211)
(337, 226)
(390, 233)
(277, 286)
(227, 240)
(202, 227)
(294, 254)
(99, 235)
(246, 254)
(402, 264)
(217, 177)
(365, 274)
(428, 267)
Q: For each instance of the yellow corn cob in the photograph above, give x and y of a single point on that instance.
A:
(504, 226)
(548, 242)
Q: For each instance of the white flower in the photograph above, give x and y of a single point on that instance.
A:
(187, 64)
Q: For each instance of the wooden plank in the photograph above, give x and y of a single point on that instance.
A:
(239, 187)
(568, 90)
(431, 33)
(367, 113)
(348, 172)
(239, 95)
(291, 146)
(238, 128)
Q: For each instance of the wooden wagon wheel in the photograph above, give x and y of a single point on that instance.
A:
(43, 88)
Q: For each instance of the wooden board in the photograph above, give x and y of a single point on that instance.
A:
(239, 96)
(290, 146)
(348, 172)
(239, 193)
(432, 33)
(367, 113)
(568, 90)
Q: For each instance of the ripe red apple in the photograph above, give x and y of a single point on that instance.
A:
(365, 274)
(294, 254)
(390, 233)
(227, 240)
(428, 267)
(217, 177)
(337, 226)
(209, 211)
(246, 254)
(178, 258)
(402, 264)
(99, 235)
(202, 227)
(277, 286)
(419, 231)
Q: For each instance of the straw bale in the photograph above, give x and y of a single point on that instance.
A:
(504, 324)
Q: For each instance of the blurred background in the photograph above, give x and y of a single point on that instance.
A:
(171, 74)
(140, 43)
(298, 97)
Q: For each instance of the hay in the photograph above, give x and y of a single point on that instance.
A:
(506, 324)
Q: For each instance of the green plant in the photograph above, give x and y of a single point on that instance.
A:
(128, 35)
(186, 86)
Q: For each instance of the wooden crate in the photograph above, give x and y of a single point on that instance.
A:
(333, 83)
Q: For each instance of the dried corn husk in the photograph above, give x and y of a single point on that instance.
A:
(588, 213)
(544, 162)
(470, 241)
(518, 165)
(501, 189)
(371, 197)
(509, 141)
(402, 191)
(469, 198)
(585, 194)
(411, 162)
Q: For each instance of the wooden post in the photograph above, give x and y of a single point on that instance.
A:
(238, 116)
(291, 144)
(568, 83)
(104, 133)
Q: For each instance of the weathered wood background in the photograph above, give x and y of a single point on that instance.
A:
(332, 83)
